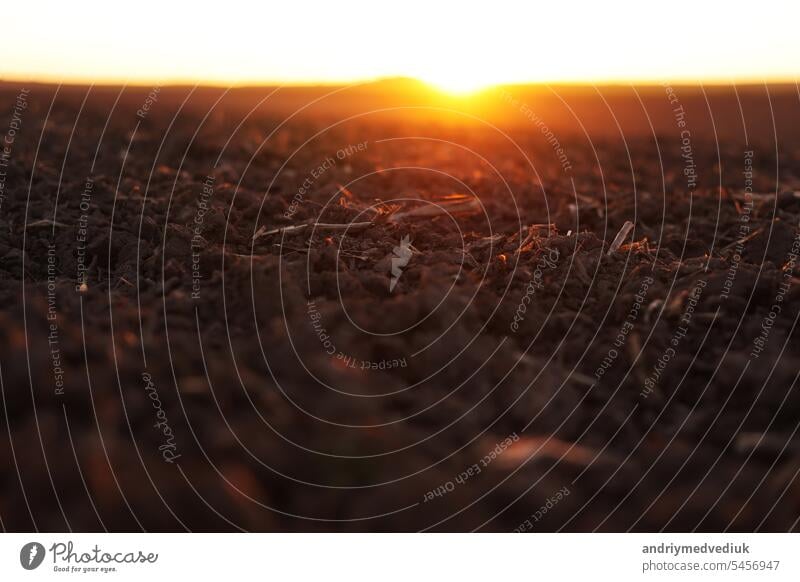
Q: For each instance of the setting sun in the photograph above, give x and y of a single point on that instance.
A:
(458, 81)
(457, 86)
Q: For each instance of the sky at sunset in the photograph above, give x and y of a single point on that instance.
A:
(458, 46)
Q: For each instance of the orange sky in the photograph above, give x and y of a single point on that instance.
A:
(459, 46)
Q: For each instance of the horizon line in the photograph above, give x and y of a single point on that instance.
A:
(311, 84)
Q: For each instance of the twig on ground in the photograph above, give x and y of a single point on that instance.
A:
(484, 242)
(352, 255)
(743, 240)
(472, 205)
(316, 225)
(620, 238)
(469, 259)
(533, 232)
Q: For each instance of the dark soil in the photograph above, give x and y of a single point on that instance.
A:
(216, 373)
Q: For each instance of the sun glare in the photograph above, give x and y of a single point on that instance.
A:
(456, 85)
